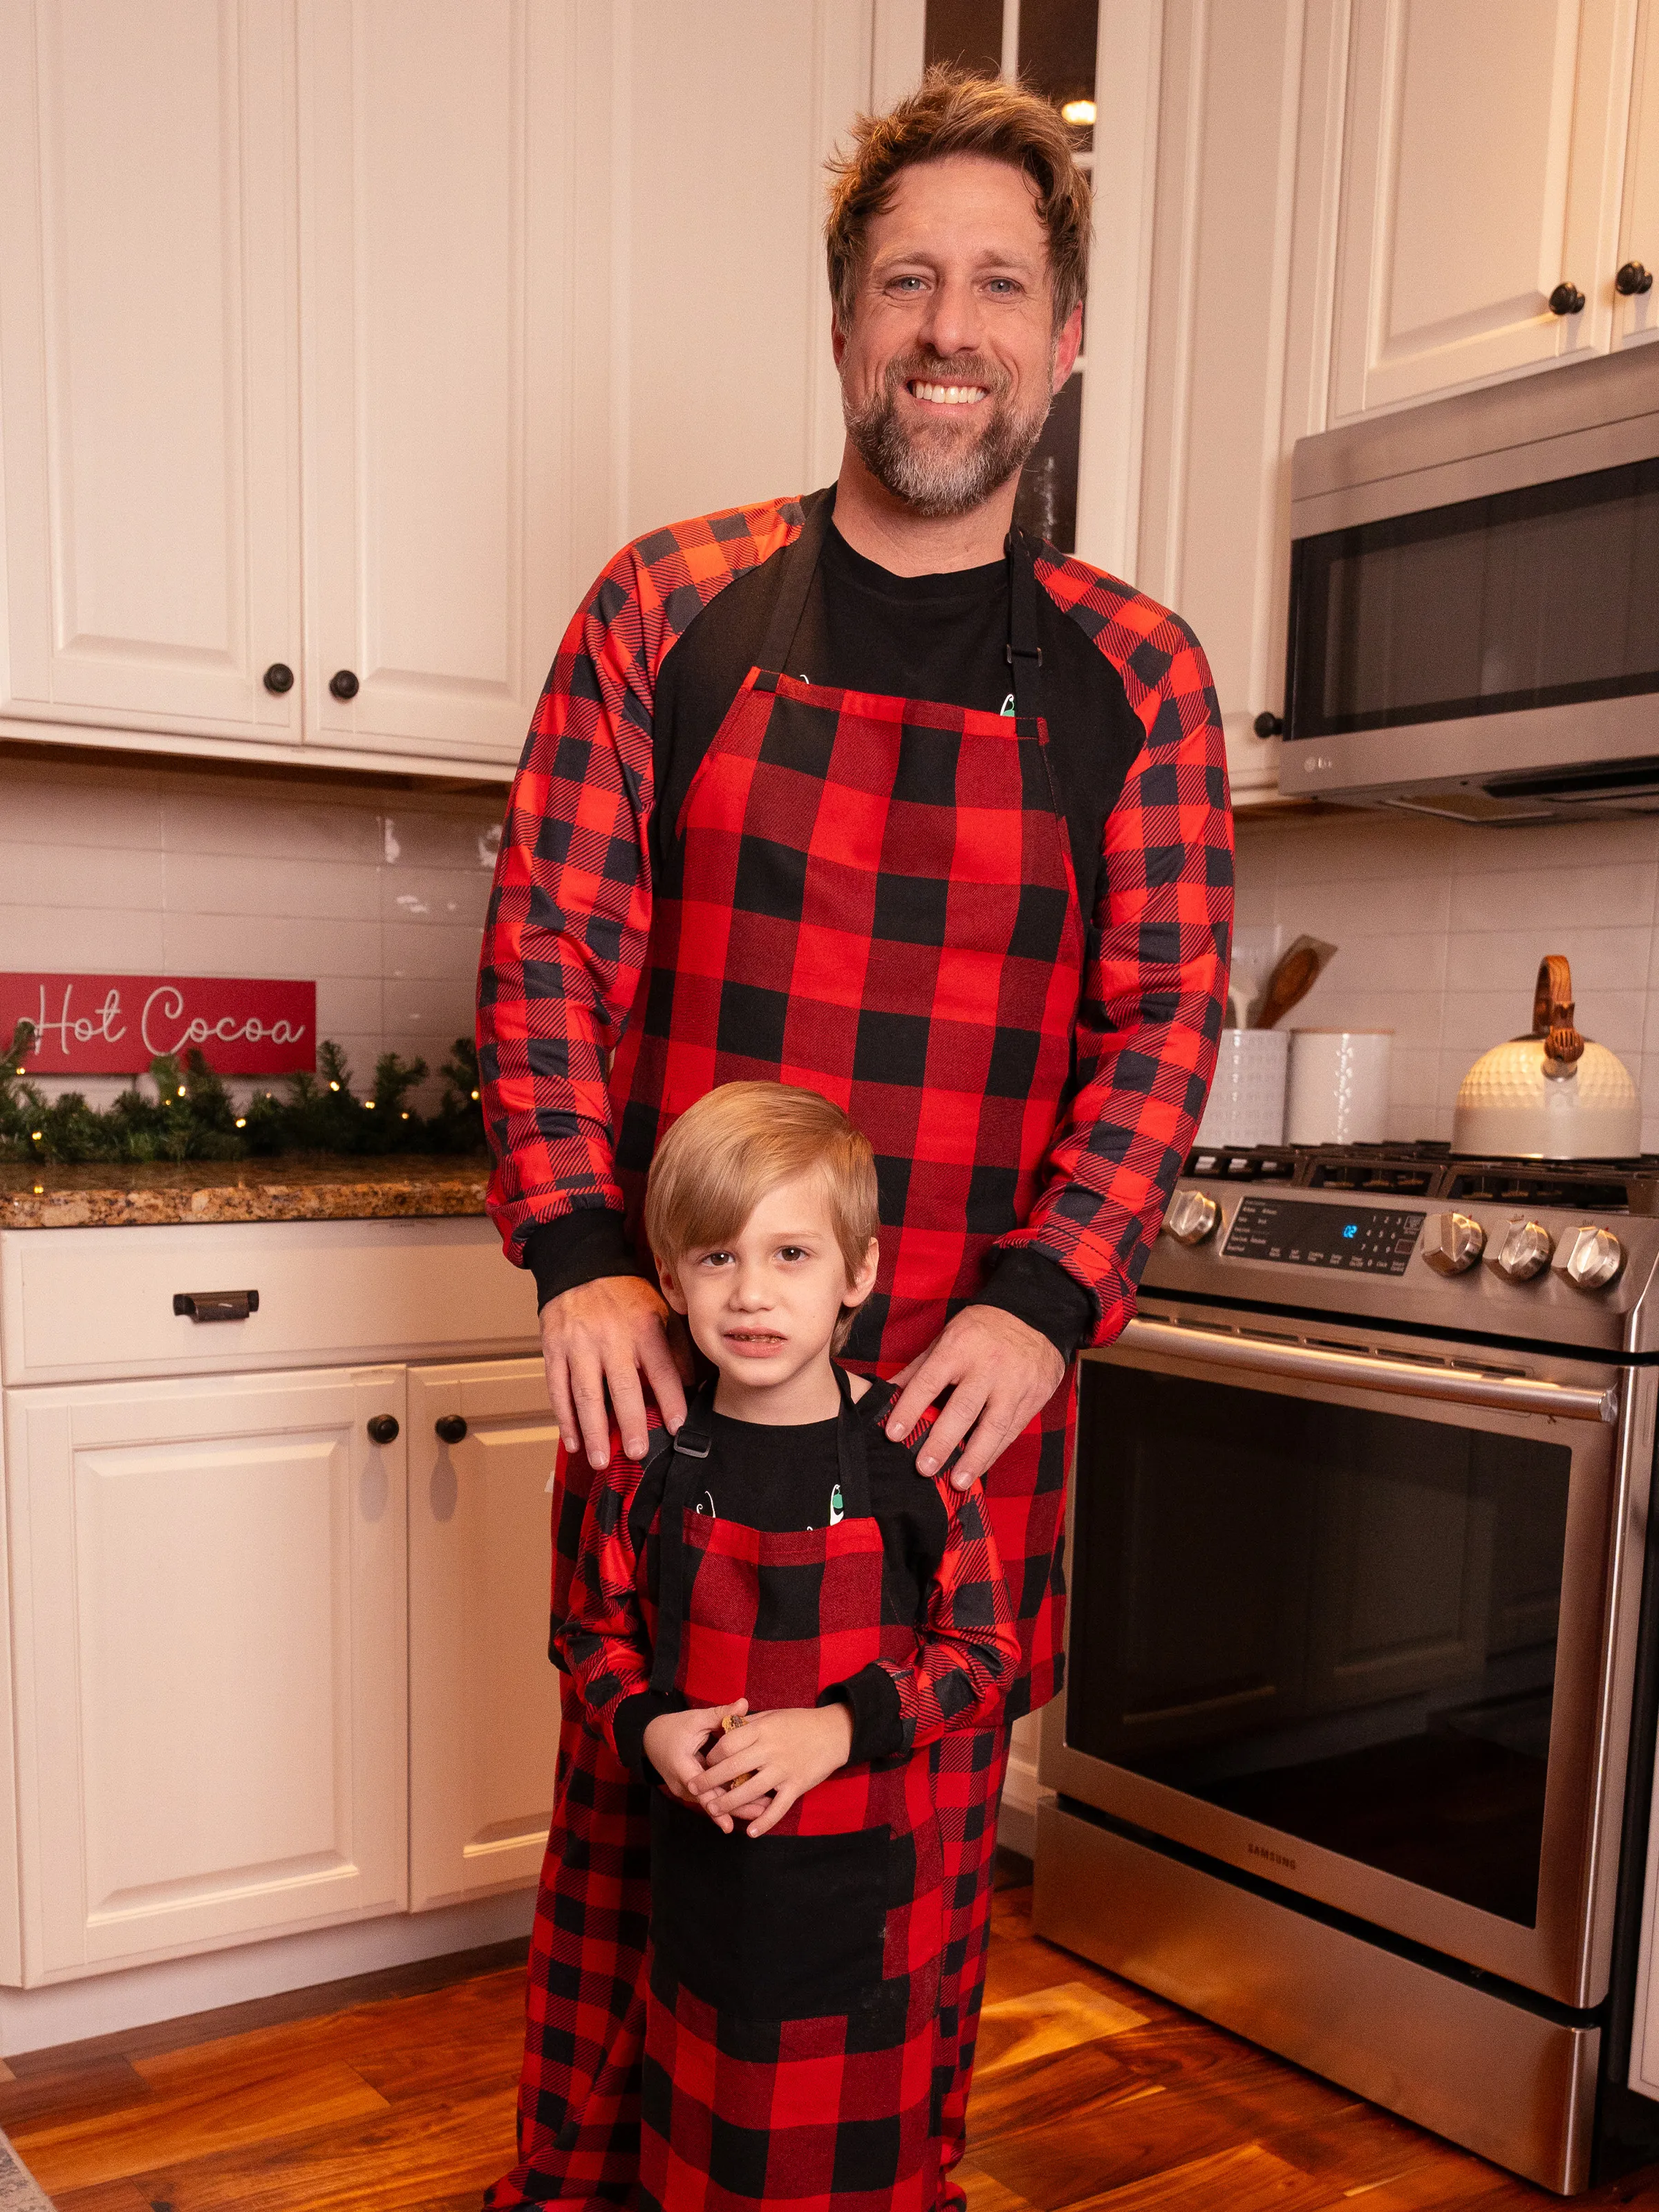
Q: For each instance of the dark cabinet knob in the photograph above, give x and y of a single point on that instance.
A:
(451, 1427)
(1633, 280)
(1267, 725)
(343, 684)
(383, 1428)
(1566, 299)
(279, 678)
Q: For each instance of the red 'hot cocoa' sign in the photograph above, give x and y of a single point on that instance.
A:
(116, 1024)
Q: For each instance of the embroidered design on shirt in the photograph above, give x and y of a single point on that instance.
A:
(705, 1505)
(1007, 706)
(837, 1509)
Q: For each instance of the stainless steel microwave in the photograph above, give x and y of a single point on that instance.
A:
(1474, 602)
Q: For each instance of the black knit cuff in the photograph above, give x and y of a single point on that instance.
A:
(872, 1697)
(629, 1722)
(1037, 1290)
(579, 1247)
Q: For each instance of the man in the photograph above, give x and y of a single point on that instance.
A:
(868, 793)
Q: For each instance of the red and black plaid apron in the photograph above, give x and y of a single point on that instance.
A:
(874, 898)
(790, 2026)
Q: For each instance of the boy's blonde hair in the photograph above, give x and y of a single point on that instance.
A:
(723, 1155)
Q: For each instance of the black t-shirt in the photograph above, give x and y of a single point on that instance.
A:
(863, 628)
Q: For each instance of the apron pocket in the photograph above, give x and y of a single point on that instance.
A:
(780, 1928)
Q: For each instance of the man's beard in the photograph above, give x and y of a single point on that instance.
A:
(933, 470)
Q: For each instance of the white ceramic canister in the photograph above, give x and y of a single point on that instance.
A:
(1339, 1086)
(1247, 1098)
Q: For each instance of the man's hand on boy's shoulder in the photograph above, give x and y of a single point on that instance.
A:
(781, 1755)
(1000, 1373)
(598, 1340)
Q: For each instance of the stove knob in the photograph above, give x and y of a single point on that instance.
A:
(1192, 1217)
(1589, 1258)
(1525, 1251)
(1452, 1242)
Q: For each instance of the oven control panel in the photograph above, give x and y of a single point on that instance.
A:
(1371, 1240)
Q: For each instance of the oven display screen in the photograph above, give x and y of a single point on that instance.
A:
(1370, 1240)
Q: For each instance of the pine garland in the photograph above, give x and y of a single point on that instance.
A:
(193, 1117)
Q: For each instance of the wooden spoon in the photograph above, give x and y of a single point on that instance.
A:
(1293, 977)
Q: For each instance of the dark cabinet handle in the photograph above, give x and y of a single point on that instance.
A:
(343, 684)
(383, 1428)
(451, 1427)
(217, 1305)
(1566, 299)
(1268, 725)
(1634, 280)
(279, 678)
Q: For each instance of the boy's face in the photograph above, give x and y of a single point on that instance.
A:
(763, 1306)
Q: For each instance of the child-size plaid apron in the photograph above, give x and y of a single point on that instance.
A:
(873, 898)
(793, 1977)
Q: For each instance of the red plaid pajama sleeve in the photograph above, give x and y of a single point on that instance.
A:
(968, 1653)
(1155, 980)
(603, 1639)
(569, 915)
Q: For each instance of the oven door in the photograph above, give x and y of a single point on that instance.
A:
(1356, 1617)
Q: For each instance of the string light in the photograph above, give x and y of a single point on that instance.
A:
(369, 1103)
(241, 1121)
(1079, 112)
(333, 1086)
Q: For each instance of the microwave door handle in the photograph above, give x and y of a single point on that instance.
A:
(1366, 1370)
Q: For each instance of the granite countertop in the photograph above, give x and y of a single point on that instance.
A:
(109, 1196)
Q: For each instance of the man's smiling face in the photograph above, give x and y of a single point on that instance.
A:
(951, 358)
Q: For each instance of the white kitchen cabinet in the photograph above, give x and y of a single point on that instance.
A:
(1484, 165)
(1224, 367)
(208, 1624)
(148, 414)
(483, 1700)
(444, 151)
(1636, 315)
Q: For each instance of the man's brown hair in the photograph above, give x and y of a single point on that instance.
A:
(723, 1155)
(951, 112)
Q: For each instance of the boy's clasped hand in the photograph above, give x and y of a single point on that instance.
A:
(755, 1769)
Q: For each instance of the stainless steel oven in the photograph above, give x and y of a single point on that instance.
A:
(1357, 1553)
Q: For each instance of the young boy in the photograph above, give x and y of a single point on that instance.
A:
(773, 1619)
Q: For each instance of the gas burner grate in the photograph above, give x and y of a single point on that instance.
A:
(1427, 1170)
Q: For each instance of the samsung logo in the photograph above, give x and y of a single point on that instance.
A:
(1279, 1858)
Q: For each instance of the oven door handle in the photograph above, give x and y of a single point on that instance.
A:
(1368, 1370)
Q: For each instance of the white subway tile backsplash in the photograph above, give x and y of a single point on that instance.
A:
(172, 872)
(254, 819)
(56, 874)
(1440, 929)
(441, 895)
(69, 939)
(267, 885)
(1619, 894)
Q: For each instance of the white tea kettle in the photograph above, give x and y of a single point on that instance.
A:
(1549, 1095)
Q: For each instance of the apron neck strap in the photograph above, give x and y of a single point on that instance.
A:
(1024, 653)
(798, 564)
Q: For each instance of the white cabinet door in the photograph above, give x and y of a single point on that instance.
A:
(483, 1700)
(208, 1622)
(1213, 515)
(149, 415)
(441, 150)
(722, 316)
(1484, 167)
(1635, 317)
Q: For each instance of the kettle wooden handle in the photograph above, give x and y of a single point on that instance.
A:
(1553, 1011)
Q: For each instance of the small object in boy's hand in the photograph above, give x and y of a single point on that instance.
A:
(736, 1720)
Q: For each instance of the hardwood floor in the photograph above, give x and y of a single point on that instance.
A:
(1091, 2096)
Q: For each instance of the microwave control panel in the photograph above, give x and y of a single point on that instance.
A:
(1370, 1240)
